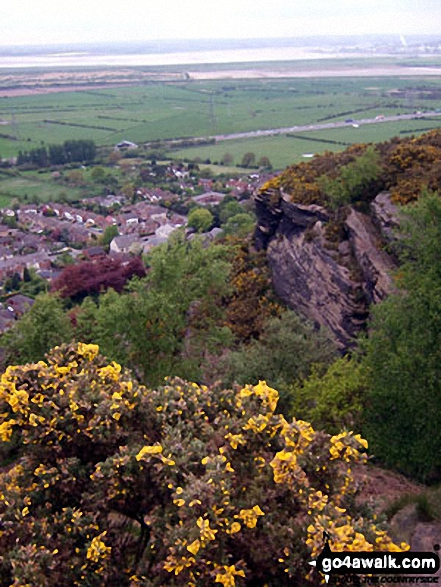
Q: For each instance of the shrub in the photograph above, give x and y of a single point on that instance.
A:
(334, 399)
(180, 485)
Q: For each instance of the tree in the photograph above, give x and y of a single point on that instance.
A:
(171, 321)
(248, 159)
(116, 484)
(227, 159)
(57, 155)
(240, 225)
(110, 232)
(264, 162)
(12, 283)
(93, 277)
(404, 354)
(128, 189)
(44, 326)
(285, 353)
(32, 283)
(200, 219)
(80, 151)
(227, 208)
(75, 176)
(353, 179)
(98, 174)
(332, 400)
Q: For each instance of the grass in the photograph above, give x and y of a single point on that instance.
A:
(160, 110)
(281, 150)
(427, 504)
(29, 186)
(284, 150)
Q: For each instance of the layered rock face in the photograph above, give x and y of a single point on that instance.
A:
(329, 280)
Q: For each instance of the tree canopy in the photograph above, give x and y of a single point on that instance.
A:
(404, 353)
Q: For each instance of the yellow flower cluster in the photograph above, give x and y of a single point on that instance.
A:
(250, 516)
(268, 396)
(37, 412)
(346, 446)
(227, 574)
(235, 440)
(88, 351)
(6, 430)
(205, 511)
(177, 565)
(98, 549)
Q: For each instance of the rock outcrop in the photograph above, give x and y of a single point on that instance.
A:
(329, 267)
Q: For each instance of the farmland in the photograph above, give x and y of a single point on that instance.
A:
(153, 110)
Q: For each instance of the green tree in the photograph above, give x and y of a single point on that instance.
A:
(404, 354)
(128, 189)
(172, 320)
(85, 320)
(200, 219)
(227, 159)
(44, 326)
(264, 162)
(75, 177)
(228, 208)
(32, 284)
(353, 179)
(332, 400)
(248, 159)
(285, 353)
(110, 232)
(240, 225)
(98, 174)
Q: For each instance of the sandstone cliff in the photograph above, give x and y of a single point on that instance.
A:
(327, 266)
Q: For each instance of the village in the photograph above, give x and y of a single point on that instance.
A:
(43, 237)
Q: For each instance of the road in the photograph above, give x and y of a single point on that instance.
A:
(328, 125)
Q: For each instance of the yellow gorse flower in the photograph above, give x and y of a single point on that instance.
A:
(206, 532)
(154, 449)
(226, 577)
(98, 549)
(250, 517)
(89, 351)
(6, 430)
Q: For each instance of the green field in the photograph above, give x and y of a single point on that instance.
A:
(283, 150)
(160, 110)
(31, 185)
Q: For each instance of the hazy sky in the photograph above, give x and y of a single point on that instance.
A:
(53, 21)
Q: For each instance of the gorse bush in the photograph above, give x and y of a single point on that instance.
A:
(115, 484)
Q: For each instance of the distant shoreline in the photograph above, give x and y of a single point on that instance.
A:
(84, 59)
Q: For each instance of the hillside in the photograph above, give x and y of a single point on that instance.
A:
(328, 227)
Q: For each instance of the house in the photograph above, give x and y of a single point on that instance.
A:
(6, 321)
(96, 252)
(126, 145)
(19, 304)
(209, 198)
(5, 253)
(124, 243)
(165, 230)
(153, 241)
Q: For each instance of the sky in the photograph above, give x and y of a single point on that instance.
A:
(26, 22)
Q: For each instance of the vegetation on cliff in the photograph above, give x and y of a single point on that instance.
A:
(405, 167)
